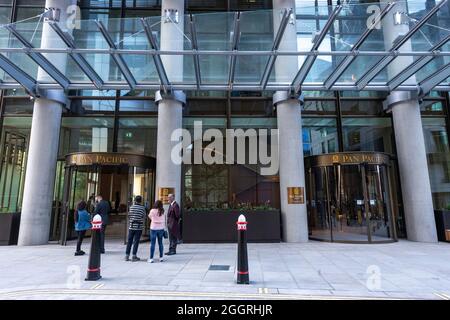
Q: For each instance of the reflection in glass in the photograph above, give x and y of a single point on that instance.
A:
(367, 134)
(361, 107)
(86, 134)
(319, 136)
(318, 105)
(79, 106)
(379, 208)
(137, 135)
(12, 174)
(438, 157)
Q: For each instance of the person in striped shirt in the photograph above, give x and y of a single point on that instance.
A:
(136, 216)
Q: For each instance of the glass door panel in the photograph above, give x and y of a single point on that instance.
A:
(378, 201)
(319, 217)
(348, 200)
(351, 215)
(80, 183)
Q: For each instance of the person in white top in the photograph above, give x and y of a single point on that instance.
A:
(157, 226)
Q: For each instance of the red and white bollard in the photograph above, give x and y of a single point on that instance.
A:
(93, 272)
(242, 267)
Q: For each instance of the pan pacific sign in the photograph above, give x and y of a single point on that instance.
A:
(108, 159)
(370, 158)
(348, 158)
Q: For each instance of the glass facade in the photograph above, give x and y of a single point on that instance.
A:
(126, 120)
(435, 131)
(339, 27)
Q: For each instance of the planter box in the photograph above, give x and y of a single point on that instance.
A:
(220, 226)
(9, 228)
(442, 218)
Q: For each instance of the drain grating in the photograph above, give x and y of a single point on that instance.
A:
(219, 267)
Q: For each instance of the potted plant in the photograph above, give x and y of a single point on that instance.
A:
(218, 224)
(9, 228)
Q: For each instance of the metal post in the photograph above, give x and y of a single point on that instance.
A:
(242, 267)
(93, 272)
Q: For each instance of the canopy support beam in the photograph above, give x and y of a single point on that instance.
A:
(234, 48)
(309, 61)
(40, 59)
(156, 58)
(340, 69)
(276, 43)
(27, 82)
(415, 66)
(433, 80)
(77, 57)
(118, 59)
(384, 62)
(194, 45)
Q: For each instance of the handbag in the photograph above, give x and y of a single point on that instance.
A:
(165, 234)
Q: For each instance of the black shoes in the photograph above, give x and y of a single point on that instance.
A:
(133, 258)
(170, 253)
(79, 253)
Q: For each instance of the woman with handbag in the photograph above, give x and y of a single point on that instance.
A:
(157, 229)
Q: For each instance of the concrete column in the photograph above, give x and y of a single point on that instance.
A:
(168, 174)
(43, 146)
(292, 172)
(170, 106)
(409, 140)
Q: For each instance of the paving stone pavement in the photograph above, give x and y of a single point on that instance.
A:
(313, 270)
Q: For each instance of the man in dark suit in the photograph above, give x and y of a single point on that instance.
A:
(103, 209)
(173, 224)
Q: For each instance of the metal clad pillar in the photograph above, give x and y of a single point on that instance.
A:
(409, 139)
(43, 147)
(292, 173)
(170, 104)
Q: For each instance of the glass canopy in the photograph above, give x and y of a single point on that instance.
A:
(342, 47)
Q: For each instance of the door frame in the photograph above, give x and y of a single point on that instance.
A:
(76, 160)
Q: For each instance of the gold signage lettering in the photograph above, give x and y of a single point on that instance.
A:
(104, 158)
(348, 158)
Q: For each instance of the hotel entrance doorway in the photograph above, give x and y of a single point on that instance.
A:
(350, 197)
(117, 177)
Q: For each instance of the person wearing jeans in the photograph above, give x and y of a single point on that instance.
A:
(82, 223)
(136, 218)
(157, 229)
(133, 240)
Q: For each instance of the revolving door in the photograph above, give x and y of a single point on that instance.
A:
(349, 197)
(117, 177)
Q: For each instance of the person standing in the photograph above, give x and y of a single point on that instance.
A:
(136, 217)
(103, 209)
(82, 223)
(157, 229)
(173, 226)
(91, 204)
(117, 202)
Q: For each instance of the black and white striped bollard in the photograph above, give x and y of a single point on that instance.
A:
(242, 267)
(93, 272)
